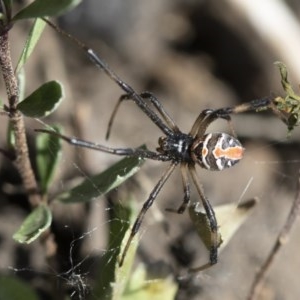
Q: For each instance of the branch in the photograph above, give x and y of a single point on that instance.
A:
(22, 161)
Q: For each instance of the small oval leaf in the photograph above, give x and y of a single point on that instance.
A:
(48, 149)
(34, 225)
(102, 183)
(43, 101)
(44, 8)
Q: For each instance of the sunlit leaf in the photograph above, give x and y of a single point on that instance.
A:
(32, 39)
(48, 148)
(104, 182)
(120, 282)
(44, 8)
(112, 285)
(12, 288)
(43, 101)
(141, 287)
(122, 274)
(34, 225)
(232, 217)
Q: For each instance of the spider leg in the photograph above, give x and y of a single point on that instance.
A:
(147, 204)
(138, 152)
(154, 101)
(131, 93)
(213, 257)
(114, 112)
(167, 118)
(266, 103)
(186, 189)
(257, 104)
(205, 118)
(102, 65)
(200, 120)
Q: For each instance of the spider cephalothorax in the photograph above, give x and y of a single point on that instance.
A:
(177, 147)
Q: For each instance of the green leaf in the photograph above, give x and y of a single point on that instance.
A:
(42, 101)
(202, 225)
(44, 8)
(34, 225)
(48, 149)
(32, 39)
(112, 285)
(102, 183)
(230, 217)
(6, 13)
(12, 288)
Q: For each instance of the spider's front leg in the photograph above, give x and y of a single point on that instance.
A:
(137, 152)
(254, 105)
(208, 116)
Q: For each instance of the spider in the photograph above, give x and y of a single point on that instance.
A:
(211, 151)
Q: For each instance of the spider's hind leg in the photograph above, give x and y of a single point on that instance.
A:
(212, 222)
(147, 204)
(186, 188)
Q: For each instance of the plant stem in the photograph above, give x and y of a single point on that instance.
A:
(21, 161)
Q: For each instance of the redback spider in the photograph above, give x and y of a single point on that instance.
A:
(211, 151)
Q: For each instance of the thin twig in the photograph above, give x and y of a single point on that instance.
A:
(281, 240)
